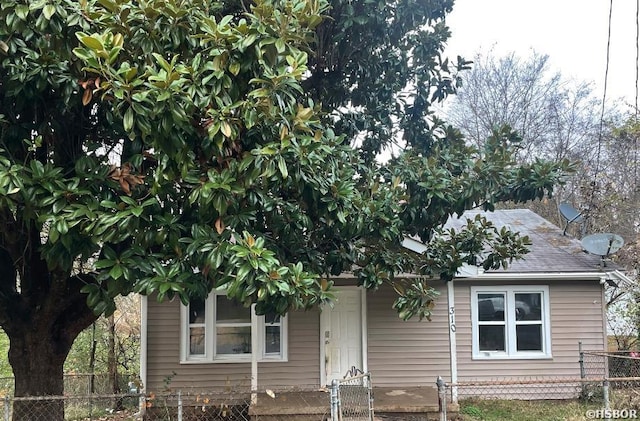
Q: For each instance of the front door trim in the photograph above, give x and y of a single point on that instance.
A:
(364, 329)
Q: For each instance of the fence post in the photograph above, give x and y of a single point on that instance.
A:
(583, 386)
(91, 389)
(605, 393)
(335, 400)
(179, 405)
(370, 392)
(142, 403)
(581, 360)
(7, 411)
(442, 398)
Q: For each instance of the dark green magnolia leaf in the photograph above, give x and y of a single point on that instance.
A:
(110, 5)
(282, 166)
(92, 42)
(128, 120)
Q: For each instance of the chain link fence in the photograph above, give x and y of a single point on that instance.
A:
(58, 408)
(87, 397)
(194, 406)
(609, 379)
(517, 388)
(349, 399)
(622, 368)
(599, 393)
(85, 384)
(239, 405)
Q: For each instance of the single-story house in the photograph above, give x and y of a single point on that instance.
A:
(524, 321)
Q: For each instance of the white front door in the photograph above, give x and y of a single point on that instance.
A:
(341, 334)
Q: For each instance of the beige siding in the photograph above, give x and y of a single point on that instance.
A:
(303, 366)
(411, 353)
(400, 353)
(163, 359)
(576, 315)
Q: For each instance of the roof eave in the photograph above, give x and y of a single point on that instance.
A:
(541, 276)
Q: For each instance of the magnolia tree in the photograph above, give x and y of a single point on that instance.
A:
(171, 147)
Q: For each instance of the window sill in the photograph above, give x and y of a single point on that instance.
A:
(230, 361)
(502, 356)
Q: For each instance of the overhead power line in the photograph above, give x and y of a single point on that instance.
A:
(594, 183)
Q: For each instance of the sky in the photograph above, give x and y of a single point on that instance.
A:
(572, 32)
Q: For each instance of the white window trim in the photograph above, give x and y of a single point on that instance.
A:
(209, 357)
(185, 332)
(510, 322)
(263, 356)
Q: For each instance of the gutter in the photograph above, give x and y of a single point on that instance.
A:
(576, 276)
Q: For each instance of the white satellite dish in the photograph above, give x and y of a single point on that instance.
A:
(602, 244)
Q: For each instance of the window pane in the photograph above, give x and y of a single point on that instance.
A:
(529, 337)
(228, 311)
(233, 340)
(196, 311)
(271, 318)
(528, 306)
(196, 341)
(491, 338)
(490, 307)
(272, 340)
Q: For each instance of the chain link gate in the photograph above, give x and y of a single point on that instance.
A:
(352, 397)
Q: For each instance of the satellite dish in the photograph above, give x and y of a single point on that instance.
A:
(602, 244)
(570, 214)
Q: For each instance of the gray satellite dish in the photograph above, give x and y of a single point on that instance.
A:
(602, 244)
(570, 214)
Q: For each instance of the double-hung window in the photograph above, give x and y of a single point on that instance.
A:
(217, 329)
(510, 322)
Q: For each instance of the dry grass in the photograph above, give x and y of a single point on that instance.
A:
(516, 410)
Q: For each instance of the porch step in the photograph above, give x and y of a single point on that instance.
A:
(390, 404)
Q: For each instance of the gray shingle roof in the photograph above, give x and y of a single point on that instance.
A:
(550, 251)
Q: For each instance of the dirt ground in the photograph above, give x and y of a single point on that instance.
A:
(117, 416)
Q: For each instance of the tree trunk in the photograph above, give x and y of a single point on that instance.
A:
(92, 360)
(37, 360)
(42, 311)
(112, 363)
(40, 337)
